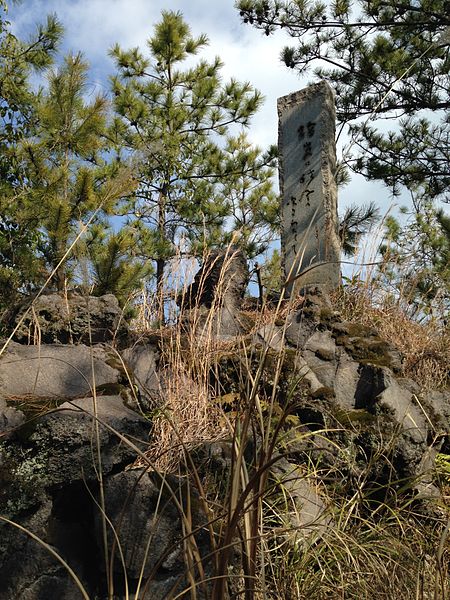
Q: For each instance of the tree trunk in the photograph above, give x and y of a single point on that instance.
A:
(160, 264)
(161, 261)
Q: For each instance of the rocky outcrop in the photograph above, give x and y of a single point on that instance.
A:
(70, 319)
(213, 301)
(51, 465)
(140, 363)
(49, 476)
(53, 371)
(354, 383)
(351, 414)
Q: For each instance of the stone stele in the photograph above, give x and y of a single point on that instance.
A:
(309, 239)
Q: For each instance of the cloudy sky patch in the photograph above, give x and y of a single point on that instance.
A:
(94, 26)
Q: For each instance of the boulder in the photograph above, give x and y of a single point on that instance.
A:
(141, 364)
(53, 371)
(10, 419)
(145, 509)
(48, 483)
(301, 507)
(27, 570)
(214, 299)
(71, 319)
(65, 439)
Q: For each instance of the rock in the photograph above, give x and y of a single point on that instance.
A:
(10, 419)
(214, 299)
(299, 328)
(364, 345)
(305, 373)
(332, 366)
(48, 482)
(64, 440)
(141, 363)
(72, 319)
(270, 335)
(60, 449)
(142, 506)
(398, 399)
(53, 371)
(27, 570)
(303, 511)
(436, 404)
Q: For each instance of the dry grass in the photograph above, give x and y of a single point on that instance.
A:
(189, 349)
(386, 553)
(425, 345)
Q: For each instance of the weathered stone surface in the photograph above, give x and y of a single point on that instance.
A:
(48, 477)
(141, 362)
(403, 404)
(271, 336)
(10, 418)
(150, 528)
(309, 193)
(27, 569)
(53, 371)
(305, 513)
(437, 406)
(72, 319)
(332, 367)
(215, 296)
(65, 440)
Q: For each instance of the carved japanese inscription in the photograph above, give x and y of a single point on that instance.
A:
(309, 241)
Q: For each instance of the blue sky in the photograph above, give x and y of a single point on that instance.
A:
(93, 26)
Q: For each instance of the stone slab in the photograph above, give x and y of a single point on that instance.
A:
(307, 152)
(53, 371)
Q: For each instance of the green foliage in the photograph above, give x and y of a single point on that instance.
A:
(272, 272)
(356, 223)
(65, 175)
(115, 269)
(387, 61)
(252, 207)
(443, 464)
(19, 235)
(382, 57)
(177, 123)
(417, 261)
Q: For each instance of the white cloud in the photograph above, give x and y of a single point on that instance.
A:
(93, 26)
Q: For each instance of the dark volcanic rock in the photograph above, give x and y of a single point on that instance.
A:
(48, 482)
(10, 418)
(215, 297)
(27, 570)
(74, 319)
(141, 363)
(65, 439)
(146, 511)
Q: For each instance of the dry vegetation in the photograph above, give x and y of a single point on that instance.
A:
(425, 345)
(386, 551)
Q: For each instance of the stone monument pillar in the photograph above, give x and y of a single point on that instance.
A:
(307, 156)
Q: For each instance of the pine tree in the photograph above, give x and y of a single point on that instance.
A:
(251, 204)
(388, 61)
(174, 121)
(385, 59)
(65, 174)
(417, 263)
(19, 233)
(354, 224)
(116, 269)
